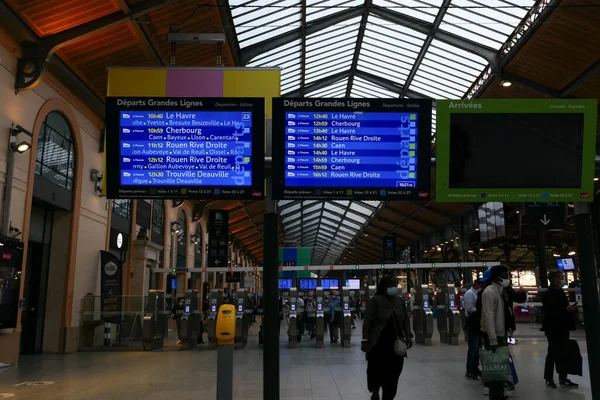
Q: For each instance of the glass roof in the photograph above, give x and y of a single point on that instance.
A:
(390, 49)
(327, 227)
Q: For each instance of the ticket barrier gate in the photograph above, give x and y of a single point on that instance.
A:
(293, 319)
(448, 319)
(422, 316)
(215, 301)
(241, 319)
(190, 321)
(155, 321)
(320, 321)
(346, 323)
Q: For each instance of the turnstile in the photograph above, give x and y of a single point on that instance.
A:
(422, 316)
(190, 321)
(346, 323)
(448, 318)
(155, 321)
(293, 318)
(215, 301)
(320, 322)
(241, 319)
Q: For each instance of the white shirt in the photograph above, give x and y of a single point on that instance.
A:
(471, 301)
(300, 305)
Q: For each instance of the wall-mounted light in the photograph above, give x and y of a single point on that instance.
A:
(23, 145)
(175, 227)
(195, 239)
(572, 253)
(96, 177)
(556, 255)
(506, 83)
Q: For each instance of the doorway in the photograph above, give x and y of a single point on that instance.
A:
(36, 279)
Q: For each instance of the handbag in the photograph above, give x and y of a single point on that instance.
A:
(400, 347)
(496, 365)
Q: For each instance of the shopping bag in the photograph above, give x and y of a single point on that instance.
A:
(513, 369)
(495, 365)
(575, 359)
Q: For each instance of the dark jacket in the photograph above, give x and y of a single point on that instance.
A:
(379, 311)
(556, 316)
(513, 297)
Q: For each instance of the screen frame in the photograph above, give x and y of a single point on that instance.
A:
(421, 106)
(444, 110)
(563, 269)
(210, 104)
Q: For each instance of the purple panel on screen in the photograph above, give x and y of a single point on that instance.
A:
(194, 83)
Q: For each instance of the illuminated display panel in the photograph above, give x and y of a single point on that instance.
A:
(185, 148)
(369, 149)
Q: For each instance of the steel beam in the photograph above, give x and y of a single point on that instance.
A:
(248, 53)
(49, 44)
(359, 42)
(530, 84)
(581, 79)
(425, 47)
(320, 83)
(303, 51)
(230, 34)
(391, 86)
(20, 32)
(426, 28)
(142, 31)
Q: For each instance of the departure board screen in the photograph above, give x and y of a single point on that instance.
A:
(359, 149)
(185, 148)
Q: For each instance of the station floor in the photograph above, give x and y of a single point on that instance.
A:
(306, 373)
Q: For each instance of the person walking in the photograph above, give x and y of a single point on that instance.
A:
(386, 319)
(473, 328)
(558, 322)
(493, 320)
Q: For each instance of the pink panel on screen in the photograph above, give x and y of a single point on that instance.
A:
(194, 83)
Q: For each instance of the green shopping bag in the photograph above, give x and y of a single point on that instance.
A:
(495, 366)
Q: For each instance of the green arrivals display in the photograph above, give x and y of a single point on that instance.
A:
(516, 150)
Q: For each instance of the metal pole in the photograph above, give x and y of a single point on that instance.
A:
(10, 171)
(543, 269)
(225, 372)
(588, 271)
(271, 309)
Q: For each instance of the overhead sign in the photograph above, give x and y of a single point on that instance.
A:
(516, 150)
(389, 249)
(370, 149)
(185, 148)
(546, 216)
(218, 238)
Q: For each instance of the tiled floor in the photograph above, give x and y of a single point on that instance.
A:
(307, 373)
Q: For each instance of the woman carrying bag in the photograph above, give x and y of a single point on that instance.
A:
(386, 337)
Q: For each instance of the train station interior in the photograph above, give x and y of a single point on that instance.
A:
(126, 275)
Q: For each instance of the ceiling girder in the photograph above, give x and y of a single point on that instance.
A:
(250, 52)
(591, 72)
(425, 47)
(143, 33)
(229, 28)
(391, 86)
(426, 28)
(320, 84)
(50, 44)
(359, 42)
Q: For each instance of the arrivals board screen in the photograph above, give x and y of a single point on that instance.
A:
(369, 149)
(516, 150)
(285, 284)
(185, 148)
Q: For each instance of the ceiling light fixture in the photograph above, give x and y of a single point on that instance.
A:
(506, 83)
(572, 253)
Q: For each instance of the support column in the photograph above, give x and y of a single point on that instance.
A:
(543, 260)
(590, 284)
(271, 309)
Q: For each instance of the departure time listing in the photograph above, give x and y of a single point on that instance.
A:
(351, 149)
(186, 148)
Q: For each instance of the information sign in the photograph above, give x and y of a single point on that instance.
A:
(356, 149)
(185, 148)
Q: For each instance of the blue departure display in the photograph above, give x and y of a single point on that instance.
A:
(371, 149)
(207, 149)
(367, 149)
(285, 284)
(308, 284)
